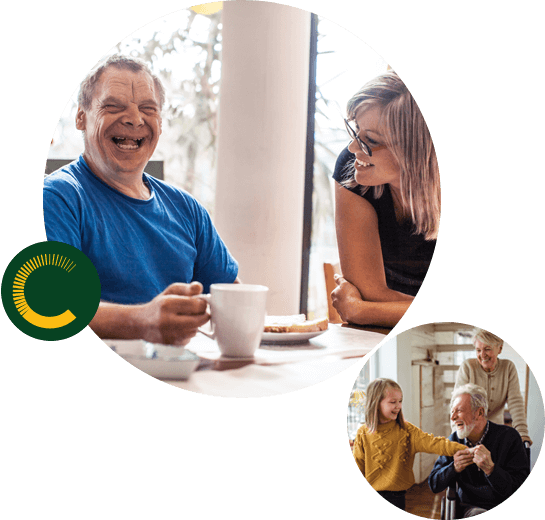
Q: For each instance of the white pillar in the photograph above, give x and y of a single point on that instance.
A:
(261, 145)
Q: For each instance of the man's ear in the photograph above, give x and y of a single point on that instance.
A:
(80, 119)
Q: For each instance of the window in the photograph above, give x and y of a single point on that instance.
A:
(463, 338)
(356, 415)
(344, 64)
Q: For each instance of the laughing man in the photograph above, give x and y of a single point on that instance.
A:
(495, 464)
(154, 246)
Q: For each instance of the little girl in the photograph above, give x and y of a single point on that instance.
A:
(386, 444)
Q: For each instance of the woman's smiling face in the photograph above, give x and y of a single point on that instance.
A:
(382, 167)
(487, 355)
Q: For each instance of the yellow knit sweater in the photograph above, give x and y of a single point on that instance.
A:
(386, 457)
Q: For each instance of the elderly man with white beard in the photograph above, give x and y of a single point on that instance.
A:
(495, 463)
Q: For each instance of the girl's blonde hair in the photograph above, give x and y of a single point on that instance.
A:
(409, 140)
(376, 392)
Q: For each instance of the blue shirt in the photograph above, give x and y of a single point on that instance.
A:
(138, 247)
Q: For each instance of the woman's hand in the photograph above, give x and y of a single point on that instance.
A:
(345, 298)
(352, 308)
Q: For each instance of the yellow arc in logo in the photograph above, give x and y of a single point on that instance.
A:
(44, 322)
(48, 322)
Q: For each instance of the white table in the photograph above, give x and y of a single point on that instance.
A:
(275, 369)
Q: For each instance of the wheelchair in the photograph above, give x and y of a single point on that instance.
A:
(449, 502)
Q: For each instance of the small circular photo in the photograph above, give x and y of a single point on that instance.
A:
(446, 420)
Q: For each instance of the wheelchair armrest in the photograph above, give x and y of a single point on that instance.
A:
(448, 503)
(527, 450)
(451, 492)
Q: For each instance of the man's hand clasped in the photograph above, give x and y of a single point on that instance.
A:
(478, 455)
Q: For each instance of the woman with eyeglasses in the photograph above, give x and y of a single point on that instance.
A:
(387, 204)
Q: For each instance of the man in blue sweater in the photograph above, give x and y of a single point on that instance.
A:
(492, 468)
(153, 245)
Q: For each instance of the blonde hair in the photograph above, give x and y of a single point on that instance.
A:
(376, 392)
(487, 338)
(409, 141)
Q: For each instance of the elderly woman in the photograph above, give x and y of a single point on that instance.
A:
(498, 377)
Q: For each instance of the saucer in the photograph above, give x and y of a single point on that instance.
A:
(288, 338)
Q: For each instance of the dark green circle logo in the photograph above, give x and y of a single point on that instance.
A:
(50, 291)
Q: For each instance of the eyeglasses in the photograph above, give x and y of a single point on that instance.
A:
(365, 148)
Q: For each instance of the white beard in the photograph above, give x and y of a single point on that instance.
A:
(465, 432)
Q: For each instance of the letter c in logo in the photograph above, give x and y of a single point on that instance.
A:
(44, 322)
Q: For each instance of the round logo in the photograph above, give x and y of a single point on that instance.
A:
(50, 291)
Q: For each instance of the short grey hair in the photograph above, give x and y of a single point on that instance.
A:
(118, 61)
(487, 338)
(477, 394)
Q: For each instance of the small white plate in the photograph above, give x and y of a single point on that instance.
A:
(173, 368)
(288, 338)
(160, 361)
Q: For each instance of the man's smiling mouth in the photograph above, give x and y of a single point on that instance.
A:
(124, 143)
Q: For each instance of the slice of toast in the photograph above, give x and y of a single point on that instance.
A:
(295, 323)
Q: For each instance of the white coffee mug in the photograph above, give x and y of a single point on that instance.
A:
(237, 317)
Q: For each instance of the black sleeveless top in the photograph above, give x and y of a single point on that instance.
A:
(406, 255)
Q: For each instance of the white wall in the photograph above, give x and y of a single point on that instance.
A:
(394, 360)
(259, 188)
